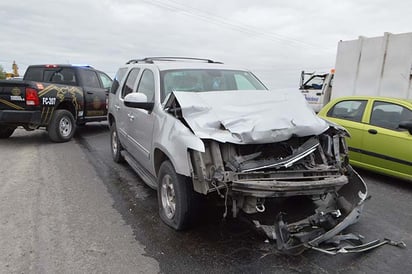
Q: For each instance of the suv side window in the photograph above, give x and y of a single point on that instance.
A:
(147, 85)
(242, 83)
(349, 110)
(89, 78)
(106, 81)
(130, 81)
(117, 79)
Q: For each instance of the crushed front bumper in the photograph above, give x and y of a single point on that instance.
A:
(323, 231)
(285, 188)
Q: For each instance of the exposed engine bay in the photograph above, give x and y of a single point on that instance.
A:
(311, 171)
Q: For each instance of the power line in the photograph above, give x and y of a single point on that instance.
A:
(217, 20)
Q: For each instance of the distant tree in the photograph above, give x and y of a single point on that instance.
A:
(2, 73)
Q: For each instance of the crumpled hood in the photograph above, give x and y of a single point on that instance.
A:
(247, 117)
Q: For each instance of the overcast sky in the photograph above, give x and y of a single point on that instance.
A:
(275, 39)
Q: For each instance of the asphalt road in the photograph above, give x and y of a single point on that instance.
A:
(68, 208)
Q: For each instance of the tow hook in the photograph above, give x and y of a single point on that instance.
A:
(260, 208)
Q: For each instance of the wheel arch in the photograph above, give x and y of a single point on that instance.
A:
(69, 107)
(110, 119)
(158, 158)
(178, 158)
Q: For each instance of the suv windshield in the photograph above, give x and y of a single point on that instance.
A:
(199, 80)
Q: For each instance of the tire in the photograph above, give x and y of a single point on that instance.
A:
(116, 146)
(62, 126)
(175, 196)
(6, 131)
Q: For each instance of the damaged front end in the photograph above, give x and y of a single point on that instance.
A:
(301, 192)
(288, 175)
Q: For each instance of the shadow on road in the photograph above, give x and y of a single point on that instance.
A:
(385, 180)
(91, 129)
(21, 137)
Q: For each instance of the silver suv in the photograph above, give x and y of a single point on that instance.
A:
(193, 128)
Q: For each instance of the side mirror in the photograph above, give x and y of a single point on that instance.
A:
(406, 125)
(138, 100)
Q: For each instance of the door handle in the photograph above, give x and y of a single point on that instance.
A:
(89, 92)
(131, 117)
(372, 131)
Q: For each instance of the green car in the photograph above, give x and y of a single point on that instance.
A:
(380, 129)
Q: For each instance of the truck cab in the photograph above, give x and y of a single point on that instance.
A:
(316, 87)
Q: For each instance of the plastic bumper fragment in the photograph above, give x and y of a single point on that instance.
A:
(345, 248)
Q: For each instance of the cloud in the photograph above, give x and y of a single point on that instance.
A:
(275, 39)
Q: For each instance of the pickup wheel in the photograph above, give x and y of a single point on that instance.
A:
(115, 144)
(6, 131)
(62, 126)
(176, 197)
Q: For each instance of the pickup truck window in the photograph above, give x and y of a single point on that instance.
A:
(130, 81)
(107, 83)
(89, 79)
(34, 74)
(69, 77)
(60, 76)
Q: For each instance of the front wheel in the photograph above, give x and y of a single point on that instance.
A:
(175, 197)
(62, 126)
(6, 131)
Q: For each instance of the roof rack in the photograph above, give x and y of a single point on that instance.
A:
(151, 60)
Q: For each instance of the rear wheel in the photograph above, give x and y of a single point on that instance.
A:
(115, 144)
(6, 131)
(62, 126)
(176, 199)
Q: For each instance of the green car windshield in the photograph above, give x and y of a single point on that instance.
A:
(200, 80)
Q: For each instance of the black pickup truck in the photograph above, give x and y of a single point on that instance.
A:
(55, 97)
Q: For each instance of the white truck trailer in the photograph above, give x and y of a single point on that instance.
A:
(377, 66)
